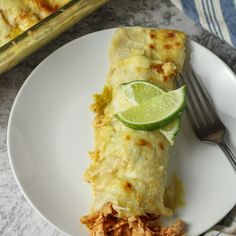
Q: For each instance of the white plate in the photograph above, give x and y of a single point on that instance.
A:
(50, 134)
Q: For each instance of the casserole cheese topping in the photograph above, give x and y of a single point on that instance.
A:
(16, 16)
(129, 167)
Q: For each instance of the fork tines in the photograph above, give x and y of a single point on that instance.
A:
(199, 108)
(204, 120)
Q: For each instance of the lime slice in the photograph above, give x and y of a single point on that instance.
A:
(138, 91)
(170, 131)
(155, 112)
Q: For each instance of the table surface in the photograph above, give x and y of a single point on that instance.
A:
(16, 215)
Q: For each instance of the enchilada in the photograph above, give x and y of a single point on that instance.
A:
(129, 167)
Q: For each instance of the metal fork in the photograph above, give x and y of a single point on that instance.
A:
(203, 119)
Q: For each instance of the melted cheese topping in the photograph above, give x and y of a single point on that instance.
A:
(16, 16)
(129, 167)
(5, 30)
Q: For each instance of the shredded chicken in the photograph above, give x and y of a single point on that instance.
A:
(107, 223)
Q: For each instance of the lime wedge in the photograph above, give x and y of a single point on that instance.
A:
(170, 131)
(138, 91)
(156, 112)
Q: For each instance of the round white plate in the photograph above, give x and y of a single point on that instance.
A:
(50, 134)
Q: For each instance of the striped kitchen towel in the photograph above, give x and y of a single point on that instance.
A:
(217, 16)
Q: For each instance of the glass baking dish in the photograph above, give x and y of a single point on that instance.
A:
(32, 39)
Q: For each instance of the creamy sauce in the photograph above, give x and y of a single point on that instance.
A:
(175, 193)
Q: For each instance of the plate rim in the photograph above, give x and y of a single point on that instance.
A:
(30, 77)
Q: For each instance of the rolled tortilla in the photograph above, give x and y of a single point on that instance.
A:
(129, 167)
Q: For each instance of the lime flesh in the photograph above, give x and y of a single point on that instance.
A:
(170, 131)
(139, 91)
(156, 112)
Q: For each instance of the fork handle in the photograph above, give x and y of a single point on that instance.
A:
(229, 154)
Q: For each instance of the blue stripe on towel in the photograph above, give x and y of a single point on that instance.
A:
(229, 13)
(212, 21)
(215, 18)
(190, 9)
(207, 18)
